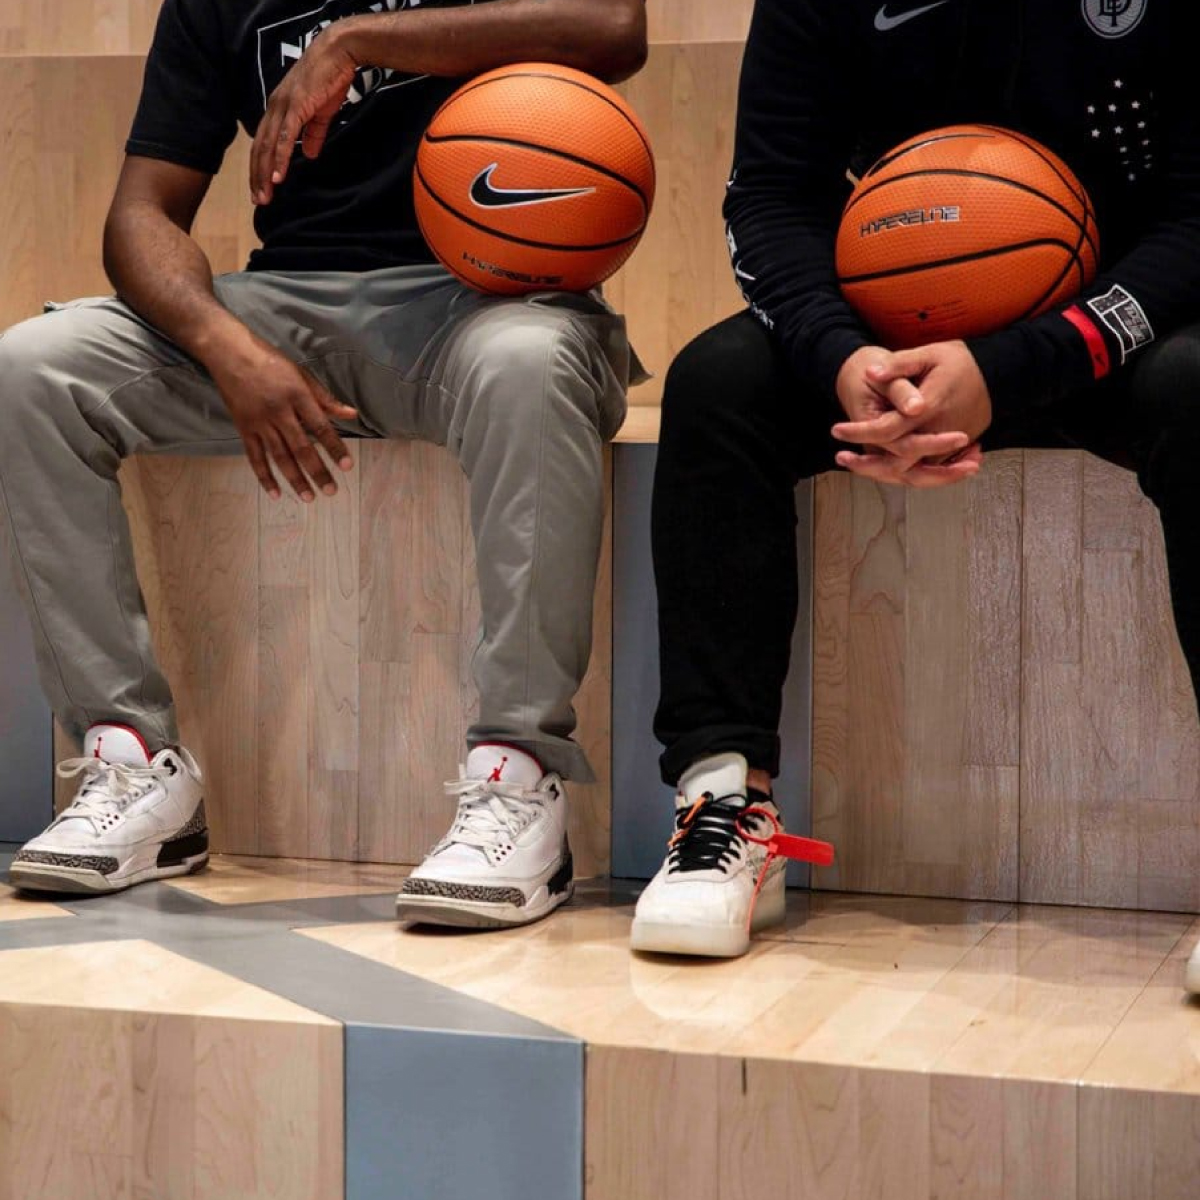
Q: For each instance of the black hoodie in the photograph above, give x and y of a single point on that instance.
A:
(829, 85)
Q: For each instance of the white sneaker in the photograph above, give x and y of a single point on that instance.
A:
(506, 860)
(1191, 976)
(700, 900)
(134, 818)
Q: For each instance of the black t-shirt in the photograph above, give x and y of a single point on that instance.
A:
(214, 65)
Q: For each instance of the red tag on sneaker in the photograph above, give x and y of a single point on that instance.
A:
(787, 845)
(801, 849)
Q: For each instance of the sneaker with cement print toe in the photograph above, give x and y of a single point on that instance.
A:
(505, 860)
(135, 818)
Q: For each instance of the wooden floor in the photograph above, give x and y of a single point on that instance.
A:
(872, 1048)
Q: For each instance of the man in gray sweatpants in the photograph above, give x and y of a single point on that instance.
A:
(341, 327)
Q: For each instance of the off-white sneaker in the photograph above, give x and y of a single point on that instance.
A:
(506, 860)
(134, 818)
(700, 900)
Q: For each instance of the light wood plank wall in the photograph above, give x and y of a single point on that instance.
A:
(1002, 707)
(679, 282)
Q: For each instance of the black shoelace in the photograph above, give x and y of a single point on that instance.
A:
(707, 834)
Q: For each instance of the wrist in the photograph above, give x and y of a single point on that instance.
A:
(221, 343)
(350, 37)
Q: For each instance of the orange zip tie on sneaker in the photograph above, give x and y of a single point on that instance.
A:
(688, 818)
(782, 845)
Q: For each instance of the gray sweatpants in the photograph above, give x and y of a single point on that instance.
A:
(523, 392)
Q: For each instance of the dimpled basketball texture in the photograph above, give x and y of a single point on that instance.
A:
(534, 177)
(962, 231)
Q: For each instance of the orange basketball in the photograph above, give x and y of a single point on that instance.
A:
(963, 231)
(534, 177)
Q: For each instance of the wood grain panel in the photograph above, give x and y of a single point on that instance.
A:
(1028, 727)
(698, 20)
(679, 282)
(825, 1131)
(1109, 775)
(126, 1071)
(77, 27)
(195, 523)
(63, 150)
(916, 678)
(643, 1139)
(65, 154)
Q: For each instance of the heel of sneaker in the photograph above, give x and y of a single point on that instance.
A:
(771, 908)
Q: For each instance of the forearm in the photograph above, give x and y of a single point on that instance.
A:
(784, 201)
(606, 40)
(165, 277)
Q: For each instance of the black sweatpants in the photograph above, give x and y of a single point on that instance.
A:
(738, 434)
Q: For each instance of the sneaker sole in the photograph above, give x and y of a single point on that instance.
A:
(473, 914)
(78, 881)
(483, 914)
(705, 941)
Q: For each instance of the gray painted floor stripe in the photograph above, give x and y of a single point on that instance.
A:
(439, 1117)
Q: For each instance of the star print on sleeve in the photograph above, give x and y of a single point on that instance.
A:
(1112, 122)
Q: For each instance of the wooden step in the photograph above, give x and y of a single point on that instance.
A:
(874, 1047)
(266, 1028)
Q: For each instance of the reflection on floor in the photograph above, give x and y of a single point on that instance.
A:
(904, 984)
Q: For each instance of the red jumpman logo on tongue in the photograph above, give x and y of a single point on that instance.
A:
(494, 777)
(99, 743)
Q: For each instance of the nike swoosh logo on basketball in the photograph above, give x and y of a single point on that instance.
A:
(487, 196)
(884, 23)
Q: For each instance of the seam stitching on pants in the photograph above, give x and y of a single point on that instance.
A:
(154, 371)
(33, 604)
(551, 348)
(193, 369)
(112, 545)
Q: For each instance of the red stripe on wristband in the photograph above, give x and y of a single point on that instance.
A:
(1101, 363)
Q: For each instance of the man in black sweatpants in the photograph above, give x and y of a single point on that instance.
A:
(795, 386)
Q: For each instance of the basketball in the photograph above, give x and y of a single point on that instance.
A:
(534, 177)
(962, 231)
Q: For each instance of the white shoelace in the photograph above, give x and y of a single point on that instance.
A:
(107, 788)
(490, 814)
